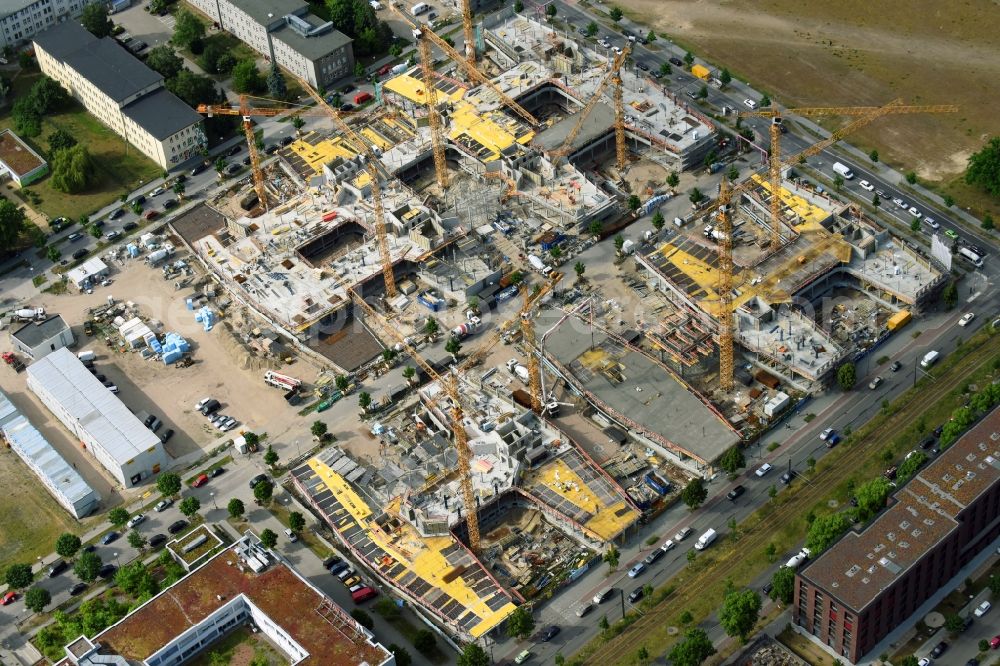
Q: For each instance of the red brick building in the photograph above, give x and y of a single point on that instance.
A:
(868, 583)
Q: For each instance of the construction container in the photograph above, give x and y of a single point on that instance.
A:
(701, 72)
(898, 320)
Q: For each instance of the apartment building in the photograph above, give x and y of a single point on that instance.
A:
(284, 31)
(20, 20)
(121, 92)
(869, 582)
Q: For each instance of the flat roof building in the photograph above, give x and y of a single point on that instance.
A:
(286, 33)
(97, 418)
(121, 92)
(62, 481)
(869, 582)
(38, 338)
(243, 584)
(18, 161)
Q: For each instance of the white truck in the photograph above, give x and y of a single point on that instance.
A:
(706, 539)
(971, 256)
(930, 358)
(539, 265)
(30, 314)
(278, 380)
(468, 328)
(843, 170)
(516, 368)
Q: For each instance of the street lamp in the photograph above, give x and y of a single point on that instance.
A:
(117, 563)
(212, 495)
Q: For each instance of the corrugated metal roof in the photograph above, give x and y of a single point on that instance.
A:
(97, 410)
(42, 457)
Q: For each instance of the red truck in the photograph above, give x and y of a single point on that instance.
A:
(362, 97)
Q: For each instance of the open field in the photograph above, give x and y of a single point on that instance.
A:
(860, 53)
(699, 588)
(31, 519)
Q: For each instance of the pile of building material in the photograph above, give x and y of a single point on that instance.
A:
(173, 348)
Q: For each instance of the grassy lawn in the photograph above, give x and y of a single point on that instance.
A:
(120, 167)
(28, 534)
(215, 465)
(805, 648)
(699, 588)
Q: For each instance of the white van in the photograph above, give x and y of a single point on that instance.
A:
(419, 8)
(706, 539)
(843, 170)
(929, 359)
(678, 222)
(87, 356)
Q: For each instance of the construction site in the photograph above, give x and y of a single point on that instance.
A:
(404, 233)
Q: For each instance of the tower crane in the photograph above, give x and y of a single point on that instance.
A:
(468, 32)
(611, 76)
(620, 149)
(451, 389)
(433, 117)
(774, 157)
(372, 166)
(470, 69)
(726, 366)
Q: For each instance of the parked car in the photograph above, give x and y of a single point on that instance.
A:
(157, 540)
(177, 526)
(151, 214)
(668, 545)
(291, 535)
(330, 561)
(169, 203)
(129, 226)
(110, 537)
(584, 608)
(116, 213)
(56, 568)
(158, 191)
(966, 318)
(522, 656)
(107, 571)
(676, 62)
(787, 477)
(865, 185)
(135, 520)
(257, 479)
(163, 504)
(200, 481)
(235, 150)
(682, 534)
(653, 557)
(735, 493)
(549, 633)
(896, 365)
(874, 383)
(764, 469)
(77, 589)
(8, 598)
(982, 609)
(210, 407)
(112, 235)
(636, 570)
(826, 434)
(167, 434)
(636, 594)
(939, 649)
(217, 471)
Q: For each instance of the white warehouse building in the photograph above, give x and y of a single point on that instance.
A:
(97, 418)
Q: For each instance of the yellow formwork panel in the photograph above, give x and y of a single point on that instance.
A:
(492, 130)
(413, 89)
(810, 214)
(607, 521)
(375, 138)
(421, 555)
(319, 154)
(362, 180)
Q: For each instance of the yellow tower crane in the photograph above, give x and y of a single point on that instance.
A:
(371, 166)
(430, 96)
(468, 32)
(613, 74)
(469, 68)
(725, 282)
(726, 342)
(621, 152)
(774, 158)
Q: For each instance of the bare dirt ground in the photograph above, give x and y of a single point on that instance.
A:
(856, 52)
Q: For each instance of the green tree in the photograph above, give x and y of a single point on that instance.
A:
(24, 60)
(135, 579)
(692, 650)
(642, 654)
(364, 400)
(169, 484)
(236, 508)
(592, 28)
(136, 540)
(950, 294)
(87, 566)
(733, 172)
(915, 225)
(739, 613)
(686, 618)
(550, 10)
(634, 202)
(825, 530)
(658, 220)
(73, 170)
(911, 177)
(695, 493)
(296, 521)
(910, 465)
(453, 346)
(983, 169)
(595, 228)
(611, 556)
(247, 78)
(270, 456)
(95, 19)
(873, 156)
(318, 429)
(53, 254)
(67, 544)
(987, 222)
(363, 618)
(666, 69)
(263, 491)
(18, 576)
(276, 86)
(518, 6)
(192, 88)
(703, 92)
(187, 29)
(725, 77)
(772, 491)
(949, 200)
(770, 552)
(403, 657)
(359, 70)
(732, 460)
(847, 376)
(520, 624)
(12, 223)
(871, 497)
(783, 585)
(953, 623)
(695, 196)
(909, 660)
(209, 58)
(431, 327)
(37, 598)
(876, 202)
(619, 241)
(650, 37)
(603, 624)
(162, 59)
(298, 123)
(580, 268)
(60, 140)
(424, 641)
(268, 538)
(838, 182)
(765, 101)
(94, 231)
(342, 382)
(178, 189)
(27, 121)
(688, 58)
(409, 373)
(984, 645)
(190, 506)
(118, 516)
(473, 655)
(616, 14)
